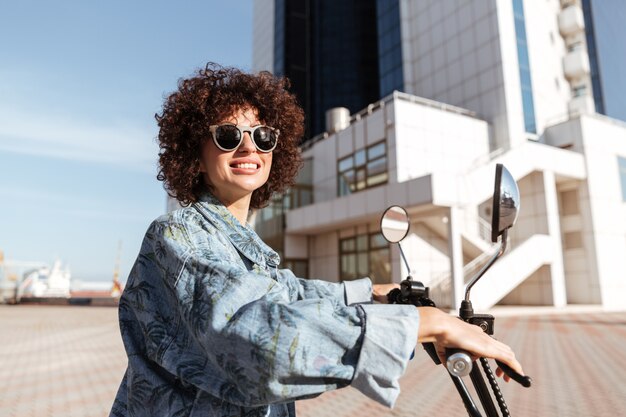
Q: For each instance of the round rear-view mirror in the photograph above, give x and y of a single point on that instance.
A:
(506, 202)
(394, 224)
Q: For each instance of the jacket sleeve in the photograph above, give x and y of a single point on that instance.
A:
(242, 339)
(351, 292)
(389, 332)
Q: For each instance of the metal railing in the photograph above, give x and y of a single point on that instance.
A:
(440, 287)
(381, 104)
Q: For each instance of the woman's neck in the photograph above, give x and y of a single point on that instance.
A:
(240, 211)
(238, 207)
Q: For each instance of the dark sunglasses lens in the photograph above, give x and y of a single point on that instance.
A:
(265, 138)
(228, 137)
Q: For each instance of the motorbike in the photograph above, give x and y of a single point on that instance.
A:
(395, 227)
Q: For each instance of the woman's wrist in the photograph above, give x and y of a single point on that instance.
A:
(380, 291)
(432, 324)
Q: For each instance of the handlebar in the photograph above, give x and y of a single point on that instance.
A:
(459, 363)
(523, 380)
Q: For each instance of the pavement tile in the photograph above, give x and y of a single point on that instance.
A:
(69, 360)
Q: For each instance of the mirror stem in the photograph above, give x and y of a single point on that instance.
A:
(484, 269)
(404, 259)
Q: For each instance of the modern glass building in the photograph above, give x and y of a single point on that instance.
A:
(337, 53)
(605, 31)
(351, 53)
(389, 46)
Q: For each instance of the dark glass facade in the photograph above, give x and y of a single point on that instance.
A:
(330, 51)
(292, 46)
(389, 46)
(605, 31)
(524, 67)
(279, 37)
(345, 63)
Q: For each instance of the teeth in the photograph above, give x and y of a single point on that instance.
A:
(246, 166)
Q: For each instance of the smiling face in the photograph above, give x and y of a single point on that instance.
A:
(234, 175)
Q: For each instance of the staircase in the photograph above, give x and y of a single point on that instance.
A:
(504, 276)
(523, 259)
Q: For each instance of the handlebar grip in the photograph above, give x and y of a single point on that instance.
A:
(458, 362)
(523, 380)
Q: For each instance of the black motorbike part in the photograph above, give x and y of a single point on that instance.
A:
(394, 296)
(484, 321)
(495, 388)
(414, 292)
(483, 392)
(523, 380)
(468, 402)
(432, 352)
(466, 311)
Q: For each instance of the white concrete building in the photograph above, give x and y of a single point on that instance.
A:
(569, 241)
(520, 65)
(522, 71)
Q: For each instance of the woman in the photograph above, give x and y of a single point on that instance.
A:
(211, 327)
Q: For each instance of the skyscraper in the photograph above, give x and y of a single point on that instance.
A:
(475, 54)
(326, 48)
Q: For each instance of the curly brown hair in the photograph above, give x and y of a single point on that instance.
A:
(210, 96)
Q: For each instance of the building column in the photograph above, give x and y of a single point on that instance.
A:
(455, 249)
(557, 271)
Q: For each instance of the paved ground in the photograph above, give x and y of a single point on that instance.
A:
(68, 361)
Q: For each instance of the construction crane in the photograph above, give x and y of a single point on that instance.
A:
(116, 289)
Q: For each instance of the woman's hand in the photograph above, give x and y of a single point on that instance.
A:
(447, 331)
(379, 291)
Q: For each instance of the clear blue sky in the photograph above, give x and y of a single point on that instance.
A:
(80, 83)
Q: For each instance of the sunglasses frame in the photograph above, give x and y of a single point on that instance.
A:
(242, 130)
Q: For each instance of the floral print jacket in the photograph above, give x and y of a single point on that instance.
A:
(211, 327)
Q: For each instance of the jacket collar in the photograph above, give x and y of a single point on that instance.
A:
(242, 237)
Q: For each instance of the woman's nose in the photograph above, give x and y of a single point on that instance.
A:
(246, 144)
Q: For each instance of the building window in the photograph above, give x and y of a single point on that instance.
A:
(622, 175)
(389, 46)
(572, 240)
(579, 91)
(592, 52)
(363, 169)
(365, 255)
(524, 67)
(576, 46)
(298, 195)
(279, 37)
(569, 203)
(299, 267)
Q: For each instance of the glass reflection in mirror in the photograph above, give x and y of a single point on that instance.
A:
(394, 224)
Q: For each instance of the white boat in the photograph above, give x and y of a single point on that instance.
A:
(46, 282)
(11, 276)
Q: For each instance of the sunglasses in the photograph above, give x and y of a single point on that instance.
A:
(228, 137)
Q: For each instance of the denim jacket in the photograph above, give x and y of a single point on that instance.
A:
(213, 328)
